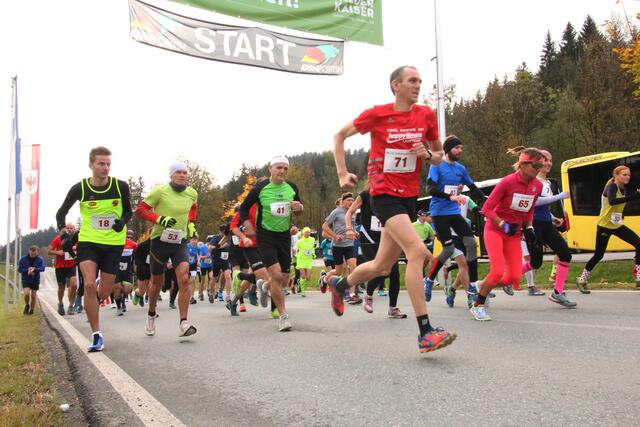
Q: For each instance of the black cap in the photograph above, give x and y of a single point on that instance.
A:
(450, 143)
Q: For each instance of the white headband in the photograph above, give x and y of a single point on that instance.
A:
(279, 159)
(176, 167)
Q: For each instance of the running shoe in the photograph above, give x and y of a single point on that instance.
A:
(472, 293)
(264, 294)
(582, 286)
(396, 313)
(337, 300)
(321, 282)
(253, 298)
(436, 339)
(368, 304)
(146, 298)
(97, 344)
(283, 323)
(220, 298)
(119, 312)
(346, 296)
(26, 309)
(235, 280)
(71, 311)
(142, 302)
(275, 314)
(233, 308)
(479, 313)
(172, 305)
(193, 301)
(534, 291)
(382, 293)
(31, 310)
(508, 289)
(451, 296)
(562, 300)
(428, 287)
(124, 307)
(136, 299)
(303, 294)
(211, 296)
(286, 292)
(201, 297)
(354, 300)
(242, 308)
(61, 309)
(186, 329)
(150, 326)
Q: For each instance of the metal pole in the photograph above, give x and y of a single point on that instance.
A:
(442, 130)
(11, 191)
(16, 258)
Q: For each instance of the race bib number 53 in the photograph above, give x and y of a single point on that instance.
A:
(399, 161)
(170, 235)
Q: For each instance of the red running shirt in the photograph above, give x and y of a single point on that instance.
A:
(236, 223)
(62, 261)
(393, 169)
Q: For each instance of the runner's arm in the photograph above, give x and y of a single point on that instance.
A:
(346, 179)
(432, 189)
(74, 194)
(613, 200)
(145, 211)
(126, 202)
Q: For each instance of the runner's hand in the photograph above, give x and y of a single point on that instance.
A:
(117, 226)
(509, 228)
(296, 206)
(530, 235)
(191, 230)
(348, 180)
(166, 221)
(421, 151)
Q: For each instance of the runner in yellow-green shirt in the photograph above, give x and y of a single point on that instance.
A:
(305, 251)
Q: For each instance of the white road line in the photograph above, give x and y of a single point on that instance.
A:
(549, 323)
(144, 405)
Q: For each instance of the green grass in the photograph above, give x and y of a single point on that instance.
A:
(606, 275)
(27, 392)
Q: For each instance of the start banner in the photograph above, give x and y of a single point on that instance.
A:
(248, 46)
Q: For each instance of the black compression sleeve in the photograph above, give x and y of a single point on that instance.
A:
(74, 194)
(432, 189)
(126, 201)
(611, 192)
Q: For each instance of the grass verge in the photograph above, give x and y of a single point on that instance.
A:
(27, 392)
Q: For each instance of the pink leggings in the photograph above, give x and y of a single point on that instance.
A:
(505, 257)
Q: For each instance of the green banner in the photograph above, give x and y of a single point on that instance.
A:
(358, 20)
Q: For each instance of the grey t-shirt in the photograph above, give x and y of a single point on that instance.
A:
(337, 224)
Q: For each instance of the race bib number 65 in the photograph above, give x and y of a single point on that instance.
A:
(399, 161)
(522, 202)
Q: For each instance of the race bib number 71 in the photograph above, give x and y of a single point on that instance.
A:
(399, 161)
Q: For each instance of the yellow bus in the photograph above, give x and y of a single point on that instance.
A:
(584, 178)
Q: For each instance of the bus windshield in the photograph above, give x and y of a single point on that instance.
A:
(587, 184)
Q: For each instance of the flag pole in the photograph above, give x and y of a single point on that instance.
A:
(442, 131)
(14, 82)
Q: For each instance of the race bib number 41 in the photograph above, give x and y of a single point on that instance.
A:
(281, 209)
(399, 161)
(522, 202)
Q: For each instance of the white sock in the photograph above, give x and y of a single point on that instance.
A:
(529, 276)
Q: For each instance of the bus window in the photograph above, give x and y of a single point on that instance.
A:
(587, 184)
(633, 162)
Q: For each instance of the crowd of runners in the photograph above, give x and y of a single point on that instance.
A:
(360, 241)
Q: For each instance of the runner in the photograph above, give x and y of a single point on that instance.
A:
(545, 225)
(30, 266)
(204, 257)
(65, 266)
(398, 133)
(305, 252)
(172, 208)
(105, 209)
(294, 283)
(617, 193)
(193, 252)
(124, 276)
(424, 227)
(327, 253)
(370, 231)
(141, 261)
(344, 254)
(276, 199)
(445, 184)
(509, 206)
(220, 262)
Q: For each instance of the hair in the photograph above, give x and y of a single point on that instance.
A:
(616, 171)
(346, 196)
(398, 75)
(337, 202)
(532, 151)
(98, 151)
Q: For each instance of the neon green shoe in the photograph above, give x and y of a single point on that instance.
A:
(275, 314)
(236, 282)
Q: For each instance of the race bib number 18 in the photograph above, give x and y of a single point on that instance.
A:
(102, 222)
(399, 161)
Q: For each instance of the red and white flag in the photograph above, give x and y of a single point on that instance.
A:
(29, 197)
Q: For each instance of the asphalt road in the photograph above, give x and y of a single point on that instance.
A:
(535, 364)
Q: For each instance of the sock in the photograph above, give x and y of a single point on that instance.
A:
(480, 300)
(152, 314)
(342, 285)
(637, 272)
(561, 276)
(273, 306)
(234, 300)
(119, 303)
(96, 336)
(584, 276)
(529, 276)
(241, 299)
(182, 319)
(424, 324)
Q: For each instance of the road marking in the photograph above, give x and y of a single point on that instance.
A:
(144, 405)
(548, 323)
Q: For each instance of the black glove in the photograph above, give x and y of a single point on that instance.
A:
(67, 245)
(117, 225)
(509, 228)
(166, 221)
(530, 235)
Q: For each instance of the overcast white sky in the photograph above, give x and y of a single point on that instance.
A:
(83, 82)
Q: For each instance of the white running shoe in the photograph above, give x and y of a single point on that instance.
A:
(186, 329)
(284, 324)
(150, 327)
